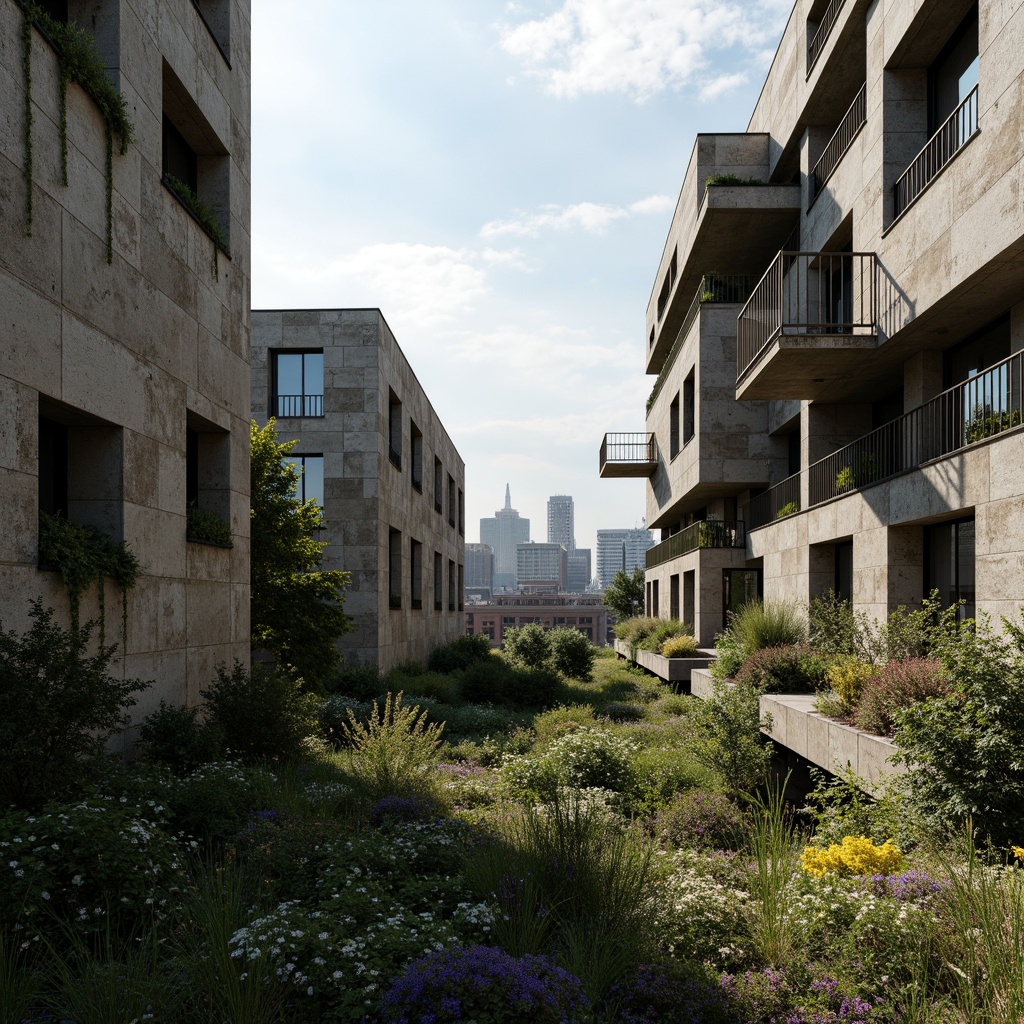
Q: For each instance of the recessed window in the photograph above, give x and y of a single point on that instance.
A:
(949, 564)
(673, 427)
(451, 500)
(438, 581)
(416, 456)
(673, 596)
(415, 574)
(666, 285)
(394, 429)
(395, 568)
(297, 387)
(179, 158)
(461, 586)
(688, 407)
(438, 485)
(207, 480)
(462, 514)
(310, 472)
(216, 16)
(451, 585)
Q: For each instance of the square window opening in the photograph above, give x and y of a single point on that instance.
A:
(297, 383)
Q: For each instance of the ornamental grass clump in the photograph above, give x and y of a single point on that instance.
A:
(486, 986)
(665, 630)
(683, 646)
(855, 855)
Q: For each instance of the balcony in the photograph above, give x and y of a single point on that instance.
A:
(817, 35)
(712, 533)
(632, 454)
(987, 404)
(805, 329)
(853, 120)
(298, 405)
(957, 130)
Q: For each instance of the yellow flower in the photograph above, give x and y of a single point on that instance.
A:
(1018, 852)
(856, 855)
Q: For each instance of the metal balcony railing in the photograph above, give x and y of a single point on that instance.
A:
(816, 40)
(957, 130)
(983, 406)
(853, 120)
(712, 288)
(299, 405)
(628, 450)
(712, 533)
(807, 293)
(776, 503)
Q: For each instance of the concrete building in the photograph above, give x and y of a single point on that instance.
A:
(541, 568)
(393, 482)
(577, 571)
(125, 352)
(562, 521)
(839, 405)
(505, 611)
(621, 550)
(503, 532)
(479, 569)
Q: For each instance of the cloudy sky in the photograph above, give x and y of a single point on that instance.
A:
(499, 179)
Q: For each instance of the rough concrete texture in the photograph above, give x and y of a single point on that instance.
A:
(125, 354)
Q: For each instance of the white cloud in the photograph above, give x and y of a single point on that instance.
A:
(639, 47)
(716, 87)
(593, 218)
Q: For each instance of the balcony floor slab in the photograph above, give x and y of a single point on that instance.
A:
(815, 367)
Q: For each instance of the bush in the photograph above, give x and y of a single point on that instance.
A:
(572, 653)
(665, 629)
(855, 855)
(213, 803)
(58, 707)
(729, 656)
(728, 736)
(683, 646)
(702, 820)
(174, 736)
(618, 711)
(834, 627)
(262, 714)
(846, 678)
(487, 986)
(363, 682)
(784, 670)
(759, 625)
(534, 688)
(633, 630)
(558, 721)
(896, 686)
(442, 688)
(528, 646)
(459, 654)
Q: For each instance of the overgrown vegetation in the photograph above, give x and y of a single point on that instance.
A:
(204, 216)
(205, 527)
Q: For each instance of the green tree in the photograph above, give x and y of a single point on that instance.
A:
(625, 594)
(297, 612)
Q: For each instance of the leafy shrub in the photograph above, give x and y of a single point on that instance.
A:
(855, 855)
(262, 714)
(363, 682)
(174, 736)
(758, 625)
(798, 669)
(58, 707)
(527, 645)
(701, 819)
(459, 654)
(729, 656)
(896, 686)
(728, 736)
(442, 688)
(683, 646)
(834, 627)
(572, 653)
(560, 720)
(665, 629)
(846, 678)
(912, 633)
(394, 754)
(213, 803)
(633, 630)
(487, 986)
(841, 806)
(661, 772)
(534, 688)
(486, 681)
(619, 711)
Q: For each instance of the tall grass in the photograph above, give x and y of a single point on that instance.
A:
(20, 982)
(769, 624)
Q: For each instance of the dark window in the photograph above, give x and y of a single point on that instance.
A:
(53, 467)
(673, 596)
(451, 501)
(688, 408)
(654, 599)
(462, 514)
(415, 573)
(954, 73)
(416, 456)
(451, 585)
(395, 568)
(179, 158)
(310, 472)
(191, 466)
(843, 586)
(297, 384)
(981, 350)
(739, 587)
(56, 9)
(666, 285)
(216, 16)
(508, 620)
(394, 429)
(438, 485)
(461, 586)
(793, 451)
(689, 612)
(207, 473)
(438, 582)
(949, 564)
(673, 427)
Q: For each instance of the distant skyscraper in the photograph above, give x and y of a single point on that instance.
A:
(503, 533)
(621, 549)
(578, 571)
(541, 568)
(561, 521)
(480, 567)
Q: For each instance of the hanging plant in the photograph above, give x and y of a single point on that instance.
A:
(204, 527)
(84, 557)
(203, 215)
(78, 61)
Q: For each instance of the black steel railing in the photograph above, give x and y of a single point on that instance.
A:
(712, 288)
(712, 533)
(299, 405)
(853, 120)
(957, 130)
(627, 448)
(808, 293)
(816, 41)
(776, 503)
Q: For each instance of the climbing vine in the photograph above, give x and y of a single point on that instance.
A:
(204, 216)
(84, 557)
(78, 61)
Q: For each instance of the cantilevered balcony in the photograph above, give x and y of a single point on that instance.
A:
(632, 454)
(712, 533)
(807, 326)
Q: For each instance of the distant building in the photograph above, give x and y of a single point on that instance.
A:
(541, 568)
(578, 570)
(621, 549)
(561, 521)
(479, 569)
(503, 532)
(576, 611)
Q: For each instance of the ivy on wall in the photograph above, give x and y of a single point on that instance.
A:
(79, 62)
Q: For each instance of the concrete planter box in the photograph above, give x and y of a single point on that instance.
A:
(820, 740)
(672, 670)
